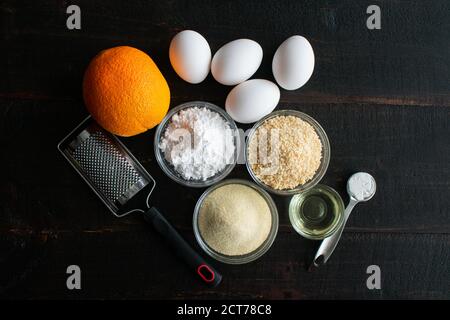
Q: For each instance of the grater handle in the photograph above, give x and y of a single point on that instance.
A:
(207, 273)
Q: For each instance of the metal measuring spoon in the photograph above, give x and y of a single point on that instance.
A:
(361, 187)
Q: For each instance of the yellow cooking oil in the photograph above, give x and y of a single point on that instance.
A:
(316, 213)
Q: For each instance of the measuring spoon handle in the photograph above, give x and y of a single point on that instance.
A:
(329, 244)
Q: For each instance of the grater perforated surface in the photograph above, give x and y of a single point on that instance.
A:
(108, 168)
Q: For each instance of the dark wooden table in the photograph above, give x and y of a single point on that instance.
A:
(381, 95)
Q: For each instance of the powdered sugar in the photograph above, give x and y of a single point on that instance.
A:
(198, 142)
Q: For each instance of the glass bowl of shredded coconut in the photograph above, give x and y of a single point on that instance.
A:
(196, 144)
(287, 152)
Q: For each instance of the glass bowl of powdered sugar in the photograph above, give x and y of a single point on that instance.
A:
(196, 144)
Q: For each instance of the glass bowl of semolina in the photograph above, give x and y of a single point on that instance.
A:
(289, 160)
(233, 221)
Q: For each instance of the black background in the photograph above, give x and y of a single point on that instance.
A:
(381, 95)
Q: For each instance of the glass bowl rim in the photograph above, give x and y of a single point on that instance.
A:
(338, 224)
(249, 257)
(170, 172)
(326, 152)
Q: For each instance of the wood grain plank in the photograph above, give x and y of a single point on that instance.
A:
(382, 97)
(405, 148)
(137, 265)
(405, 63)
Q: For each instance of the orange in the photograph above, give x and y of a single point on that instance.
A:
(125, 92)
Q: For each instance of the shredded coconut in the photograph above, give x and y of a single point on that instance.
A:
(285, 152)
(198, 142)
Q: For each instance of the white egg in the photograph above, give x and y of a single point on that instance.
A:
(251, 100)
(190, 56)
(293, 63)
(236, 61)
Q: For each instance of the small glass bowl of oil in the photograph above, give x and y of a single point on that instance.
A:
(317, 213)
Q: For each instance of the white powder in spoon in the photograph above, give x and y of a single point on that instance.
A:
(198, 142)
(361, 185)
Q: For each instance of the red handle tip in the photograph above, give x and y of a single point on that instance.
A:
(205, 272)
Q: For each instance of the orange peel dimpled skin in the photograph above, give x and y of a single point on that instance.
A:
(125, 92)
